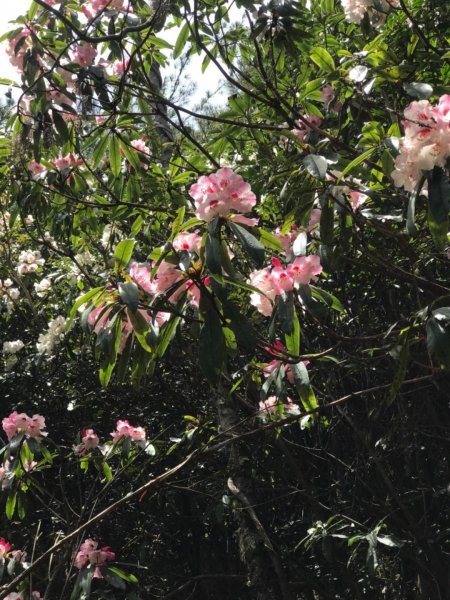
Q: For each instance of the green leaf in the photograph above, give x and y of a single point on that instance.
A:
(316, 165)
(177, 224)
(438, 206)
(419, 90)
(400, 372)
(107, 471)
(61, 126)
(92, 295)
(304, 389)
(323, 59)
(269, 240)
(123, 254)
(249, 243)
(213, 254)
(326, 298)
(129, 293)
(11, 505)
(109, 351)
(211, 345)
(115, 160)
(142, 330)
(100, 149)
(131, 155)
(125, 576)
(181, 41)
(354, 163)
(292, 339)
(285, 305)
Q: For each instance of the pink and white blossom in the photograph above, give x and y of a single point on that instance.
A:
(21, 423)
(84, 54)
(220, 194)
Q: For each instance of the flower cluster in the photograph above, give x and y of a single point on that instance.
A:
(66, 162)
(426, 143)
(8, 293)
(12, 347)
(220, 194)
(125, 430)
(21, 423)
(5, 547)
(356, 9)
(281, 279)
(54, 334)
(84, 54)
(303, 128)
(29, 261)
(89, 441)
(90, 553)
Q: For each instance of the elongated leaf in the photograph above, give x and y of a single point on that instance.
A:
(213, 252)
(177, 223)
(357, 161)
(123, 253)
(326, 298)
(292, 339)
(11, 505)
(285, 305)
(269, 240)
(142, 330)
(438, 206)
(181, 41)
(130, 154)
(249, 243)
(114, 155)
(323, 59)
(92, 295)
(100, 150)
(125, 576)
(304, 389)
(211, 346)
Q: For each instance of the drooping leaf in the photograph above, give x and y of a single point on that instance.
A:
(323, 59)
(211, 345)
(249, 243)
(438, 206)
(114, 155)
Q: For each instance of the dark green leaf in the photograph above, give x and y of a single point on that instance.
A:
(211, 345)
(115, 160)
(250, 244)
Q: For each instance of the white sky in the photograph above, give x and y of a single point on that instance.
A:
(207, 82)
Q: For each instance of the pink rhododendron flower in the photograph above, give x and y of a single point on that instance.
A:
(125, 430)
(190, 242)
(281, 279)
(220, 194)
(141, 146)
(20, 422)
(279, 348)
(89, 441)
(5, 547)
(303, 130)
(141, 274)
(66, 162)
(327, 95)
(120, 66)
(426, 143)
(36, 168)
(16, 59)
(84, 54)
(356, 9)
(89, 553)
